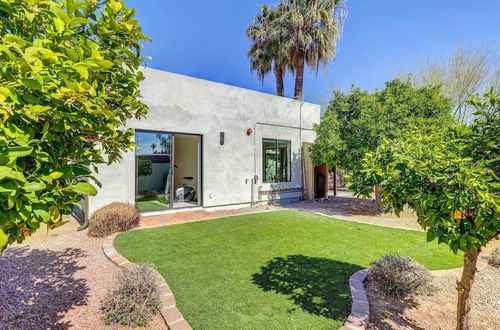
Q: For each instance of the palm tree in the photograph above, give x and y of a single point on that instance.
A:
(266, 52)
(309, 32)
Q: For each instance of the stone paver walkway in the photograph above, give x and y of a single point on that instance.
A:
(192, 216)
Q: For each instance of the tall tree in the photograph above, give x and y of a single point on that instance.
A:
(468, 71)
(310, 30)
(69, 80)
(450, 178)
(357, 122)
(266, 52)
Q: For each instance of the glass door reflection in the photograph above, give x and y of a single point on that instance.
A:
(153, 170)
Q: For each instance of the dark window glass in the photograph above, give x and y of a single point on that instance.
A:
(276, 160)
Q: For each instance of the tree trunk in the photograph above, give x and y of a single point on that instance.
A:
(464, 287)
(378, 198)
(280, 88)
(299, 73)
(335, 181)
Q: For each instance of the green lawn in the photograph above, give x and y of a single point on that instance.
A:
(273, 270)
(150, 203)
(145, 206)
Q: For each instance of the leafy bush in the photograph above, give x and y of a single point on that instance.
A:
(399, 275)
(144, 166)
(495, 258)
(113, 218)
(136, 299)
(69, 80)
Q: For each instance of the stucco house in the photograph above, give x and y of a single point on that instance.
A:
(207, 144)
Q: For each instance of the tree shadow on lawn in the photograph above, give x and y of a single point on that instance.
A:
(320, 286)
(38, 286)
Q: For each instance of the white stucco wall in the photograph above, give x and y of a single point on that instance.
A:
(183, 104)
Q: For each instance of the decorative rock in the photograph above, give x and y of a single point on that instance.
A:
(360, 311)
(180, 325)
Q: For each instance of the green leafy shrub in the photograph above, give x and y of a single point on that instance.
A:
(135, 300)
(399, 275)
(69, 80)
(494, 259)
(450, 177)
(113, 218)
(144, 166)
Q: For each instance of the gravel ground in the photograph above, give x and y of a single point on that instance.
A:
(345, 206)
(436, 310)
(56, 281)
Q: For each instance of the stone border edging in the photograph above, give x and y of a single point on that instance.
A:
(170, 313)
(360, 310)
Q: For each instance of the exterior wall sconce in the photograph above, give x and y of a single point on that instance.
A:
(221, 138)
(249, 131)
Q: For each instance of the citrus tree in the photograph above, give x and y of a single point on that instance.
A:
(449, 177)
(69, 80)
(357, 122)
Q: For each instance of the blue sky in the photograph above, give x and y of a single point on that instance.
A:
(146, 139)
(206, 39)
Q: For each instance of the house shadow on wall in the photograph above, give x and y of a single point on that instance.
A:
(319, 286)
(38, 287)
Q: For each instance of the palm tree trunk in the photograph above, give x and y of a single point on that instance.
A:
(299, 74)
(280, 87)
(464, 287)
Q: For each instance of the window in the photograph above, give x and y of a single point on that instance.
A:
(276, 158)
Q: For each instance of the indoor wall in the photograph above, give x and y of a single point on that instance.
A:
(185, 160)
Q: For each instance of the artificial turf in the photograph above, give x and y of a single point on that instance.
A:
(273, 270)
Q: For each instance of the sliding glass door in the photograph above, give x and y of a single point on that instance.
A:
(154, 175)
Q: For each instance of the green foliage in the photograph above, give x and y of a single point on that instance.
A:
(144, 166)
(68, 83)
(292, 34)
(357, 122)
(135, 300)
(449, 176)
(265, 51)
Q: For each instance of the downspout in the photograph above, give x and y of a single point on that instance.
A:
(253, 182)
(255, 176)
(302, 160)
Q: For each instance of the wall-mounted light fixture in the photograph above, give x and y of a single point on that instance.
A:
(221, 138)
(249, 131)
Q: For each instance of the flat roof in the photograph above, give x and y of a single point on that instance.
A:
(232, 86)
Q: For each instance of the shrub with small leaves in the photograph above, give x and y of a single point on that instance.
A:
(494, 259)
(399, 275)
(113, 218)
(135, 300)
(69, 80)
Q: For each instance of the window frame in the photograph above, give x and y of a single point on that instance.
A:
(289, 160)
